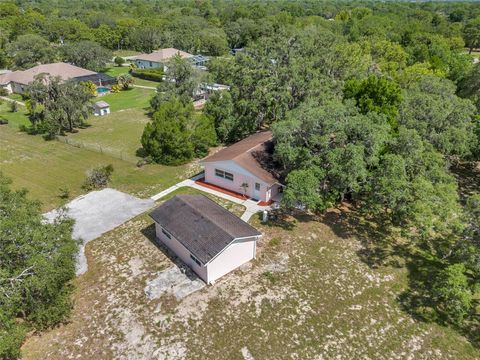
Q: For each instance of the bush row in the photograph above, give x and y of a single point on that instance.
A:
(148, 74)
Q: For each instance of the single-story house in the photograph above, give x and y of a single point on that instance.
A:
(161, 57)
(246, 168)
(204, 235)
(17, 81)
(101, 108)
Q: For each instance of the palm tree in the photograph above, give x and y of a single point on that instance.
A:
(125, 80)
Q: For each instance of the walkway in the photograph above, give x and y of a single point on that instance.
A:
(145, 87)
(12, 100)
(251, 206)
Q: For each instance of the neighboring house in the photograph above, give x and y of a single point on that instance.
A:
(17, 81)
(245, 168)
(207, 237)
(160, 59)
(101, 108)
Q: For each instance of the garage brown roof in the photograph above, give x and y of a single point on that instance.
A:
(252, 153)
(201, 225)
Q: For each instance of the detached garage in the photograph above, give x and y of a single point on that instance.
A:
(207, 237)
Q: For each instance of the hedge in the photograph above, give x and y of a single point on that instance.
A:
(148, 74)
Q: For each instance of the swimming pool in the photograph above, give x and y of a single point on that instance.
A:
(102, 90)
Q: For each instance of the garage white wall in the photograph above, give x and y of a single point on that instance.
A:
(236, 254)
(182, 252)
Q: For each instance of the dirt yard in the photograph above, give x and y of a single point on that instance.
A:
(308, 295)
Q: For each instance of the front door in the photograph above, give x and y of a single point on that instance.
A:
(256, 191)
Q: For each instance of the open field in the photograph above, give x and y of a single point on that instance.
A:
(308, 295)
(14, 119)
(117, 134)
(43, 167)
(128, 99)
(118, 70)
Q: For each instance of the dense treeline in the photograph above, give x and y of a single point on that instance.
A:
(37, 264)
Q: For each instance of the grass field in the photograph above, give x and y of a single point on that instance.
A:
(308, 295)
(15, 119)
(117, 70)
(43, 167)
(117, 134)
(128, 99)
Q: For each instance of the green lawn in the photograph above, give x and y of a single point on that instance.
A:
(43, 167)
(117, 70)
(117, 134)
(128, 99)
(15, 119)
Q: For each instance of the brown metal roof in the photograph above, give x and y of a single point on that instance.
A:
(201, 225)
(252, 153)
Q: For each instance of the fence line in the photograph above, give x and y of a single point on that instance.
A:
(116, 153)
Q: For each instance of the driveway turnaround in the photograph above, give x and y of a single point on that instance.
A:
(98, 212)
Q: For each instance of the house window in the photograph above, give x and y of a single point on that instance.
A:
(151, 64)
(196, 260)
(166, 233)
(257, 187)
(224, 174)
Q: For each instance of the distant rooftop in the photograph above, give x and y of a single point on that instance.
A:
(163, 55)
(64, 70)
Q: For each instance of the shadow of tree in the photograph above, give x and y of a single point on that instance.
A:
(383, 246)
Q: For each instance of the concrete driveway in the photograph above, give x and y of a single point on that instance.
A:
(98, 212)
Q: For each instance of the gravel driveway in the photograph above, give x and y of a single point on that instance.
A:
(98, 212)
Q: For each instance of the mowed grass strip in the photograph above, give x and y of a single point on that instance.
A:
(117, 134)
(128, 99)
(43, 167)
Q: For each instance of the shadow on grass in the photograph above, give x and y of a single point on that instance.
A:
(286, 220)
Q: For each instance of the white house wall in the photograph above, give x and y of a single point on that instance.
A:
(237, 253)
(240, 176)
(182, 252)
(145, 64)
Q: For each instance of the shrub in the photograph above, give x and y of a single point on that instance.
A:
(90, 86)
(119, 61)
(3, 91)
(98, 178)
(13, 106)
(3, 121)
(148, 74)
(64, 193)
(116, 89)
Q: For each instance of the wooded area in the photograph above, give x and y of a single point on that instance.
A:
(374, 103)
